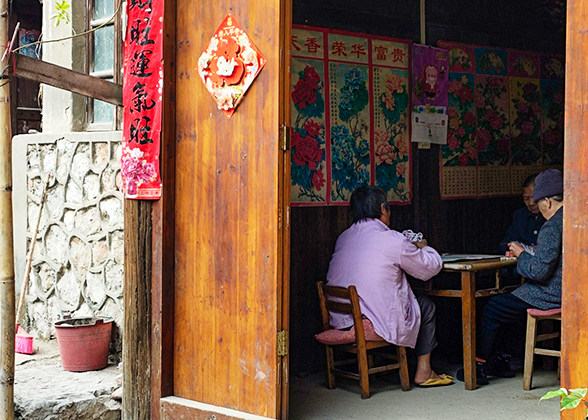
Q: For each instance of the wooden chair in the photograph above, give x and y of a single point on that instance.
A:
(354, 341)
(531, 349)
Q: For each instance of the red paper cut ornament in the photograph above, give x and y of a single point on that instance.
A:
(229, 64)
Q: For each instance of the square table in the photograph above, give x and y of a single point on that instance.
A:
(468, 294)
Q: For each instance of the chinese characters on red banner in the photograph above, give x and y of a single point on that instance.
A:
(142, 87)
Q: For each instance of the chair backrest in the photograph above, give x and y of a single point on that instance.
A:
(347, 303)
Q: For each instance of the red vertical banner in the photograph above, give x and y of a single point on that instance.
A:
(142, 87)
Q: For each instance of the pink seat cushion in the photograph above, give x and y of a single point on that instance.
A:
(539, 312)
(335, 337)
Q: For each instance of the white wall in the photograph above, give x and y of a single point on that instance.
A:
(61, 109)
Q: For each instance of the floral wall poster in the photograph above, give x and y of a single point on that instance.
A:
(517, 119)
(391, 135)
(430, 70)
(308, 169)
(524, 63)
(462, 58)
(461, 149)
(552, 108)
(525, 121)
(491, 61)
(492, 135)
(350, 102)
(459, 157)
(350, 129)
(552, 122)
(142, 101)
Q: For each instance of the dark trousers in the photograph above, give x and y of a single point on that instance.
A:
(426, 340)
(501, 310)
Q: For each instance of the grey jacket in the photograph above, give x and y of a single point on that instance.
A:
(543, 270)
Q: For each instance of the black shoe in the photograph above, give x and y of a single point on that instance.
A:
(499, 365)
(481, 377)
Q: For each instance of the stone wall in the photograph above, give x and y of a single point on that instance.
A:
(77, 267)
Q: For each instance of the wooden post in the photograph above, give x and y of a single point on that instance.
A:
(163, 220)
(137, 314)
(6, 246)
(575, 234)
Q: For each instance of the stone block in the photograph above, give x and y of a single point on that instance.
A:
(91, 187)
(87, 221)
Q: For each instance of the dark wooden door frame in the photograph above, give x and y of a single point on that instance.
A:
(284, 234)
(163, 224)
(162, 296)
(574, 363)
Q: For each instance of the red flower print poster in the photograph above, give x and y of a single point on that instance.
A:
(350, 118)
(512, 128)
(308, 168)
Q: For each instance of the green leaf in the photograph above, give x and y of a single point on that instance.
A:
(580, 392)
(570, 401)
(562, 392)
(62, 13)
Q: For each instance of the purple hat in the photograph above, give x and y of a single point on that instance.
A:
(547, 184)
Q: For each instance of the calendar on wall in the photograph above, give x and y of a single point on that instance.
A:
(350, 116)
(505, 113)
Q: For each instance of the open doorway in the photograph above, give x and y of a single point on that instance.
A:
(463, 225)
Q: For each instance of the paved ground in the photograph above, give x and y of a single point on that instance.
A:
(501, 399)
(43, 390)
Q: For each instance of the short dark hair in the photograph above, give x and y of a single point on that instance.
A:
(530, 180)
(366, 202)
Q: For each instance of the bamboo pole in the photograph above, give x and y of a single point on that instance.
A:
(7, 296)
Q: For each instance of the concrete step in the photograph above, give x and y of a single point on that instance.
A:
(44, 391)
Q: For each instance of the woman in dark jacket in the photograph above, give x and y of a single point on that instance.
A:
(542, 271)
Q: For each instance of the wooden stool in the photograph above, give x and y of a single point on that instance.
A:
(533, 317)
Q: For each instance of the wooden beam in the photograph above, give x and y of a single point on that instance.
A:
(73, 81)
(574, 363)
(137, 314)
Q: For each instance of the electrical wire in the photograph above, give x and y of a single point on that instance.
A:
(3, 74)
(118, 9)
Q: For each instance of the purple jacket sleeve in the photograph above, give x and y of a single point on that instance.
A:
(422, 263)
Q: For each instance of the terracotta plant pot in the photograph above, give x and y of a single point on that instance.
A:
(83, 343)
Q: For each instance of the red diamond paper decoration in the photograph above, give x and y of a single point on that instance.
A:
(229, 65)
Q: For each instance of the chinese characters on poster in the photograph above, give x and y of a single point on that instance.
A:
(142, 89)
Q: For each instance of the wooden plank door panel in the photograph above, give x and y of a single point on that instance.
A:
(229, 236)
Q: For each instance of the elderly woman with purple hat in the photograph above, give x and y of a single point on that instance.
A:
(542, 271)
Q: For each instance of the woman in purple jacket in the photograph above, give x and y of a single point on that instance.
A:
(376, 260)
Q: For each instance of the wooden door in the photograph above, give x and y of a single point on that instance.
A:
(231, 240)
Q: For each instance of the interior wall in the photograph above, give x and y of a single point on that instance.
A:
(465, 225)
